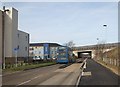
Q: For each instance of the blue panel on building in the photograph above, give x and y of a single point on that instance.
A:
(46, 50)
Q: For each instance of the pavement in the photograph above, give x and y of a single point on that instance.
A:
(114, 69)
(96, 74)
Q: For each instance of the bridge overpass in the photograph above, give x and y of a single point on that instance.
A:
(90, 50)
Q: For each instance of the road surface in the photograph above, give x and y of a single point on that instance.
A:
(96, 74)
(50, 75)
(34, 75)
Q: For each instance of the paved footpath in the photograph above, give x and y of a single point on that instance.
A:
(96, 74)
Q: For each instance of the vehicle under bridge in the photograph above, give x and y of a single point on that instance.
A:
(85, 54)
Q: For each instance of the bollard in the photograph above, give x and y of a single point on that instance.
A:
(84, 65)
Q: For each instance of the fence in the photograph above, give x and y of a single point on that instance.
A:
(112, 61)
(11, 61)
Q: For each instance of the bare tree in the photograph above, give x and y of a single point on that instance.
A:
(70, 44)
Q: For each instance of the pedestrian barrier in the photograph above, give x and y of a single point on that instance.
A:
(83, 66)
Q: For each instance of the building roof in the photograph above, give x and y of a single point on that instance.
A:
(41, 44)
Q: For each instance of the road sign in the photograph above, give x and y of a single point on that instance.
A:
(16, 49)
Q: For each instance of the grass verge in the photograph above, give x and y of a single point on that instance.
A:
(27, 67)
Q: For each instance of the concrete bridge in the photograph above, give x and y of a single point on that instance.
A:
(90, 50)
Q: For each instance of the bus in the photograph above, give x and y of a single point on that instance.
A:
(64, 55)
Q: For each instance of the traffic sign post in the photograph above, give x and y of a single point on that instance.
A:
(16, 60)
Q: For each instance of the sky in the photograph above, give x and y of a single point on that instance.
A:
(61, 22)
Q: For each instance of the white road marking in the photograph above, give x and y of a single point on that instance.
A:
(36, 77)
(86, 74)
(29, 80)
(24, 82)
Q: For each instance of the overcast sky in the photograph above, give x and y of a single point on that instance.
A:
(61, 22)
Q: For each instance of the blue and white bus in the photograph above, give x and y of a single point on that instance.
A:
(64, 55)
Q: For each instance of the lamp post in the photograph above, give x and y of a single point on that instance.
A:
(105, 26)
(98, 48)
(3, 35)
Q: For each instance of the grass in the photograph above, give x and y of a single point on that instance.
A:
(31, 66)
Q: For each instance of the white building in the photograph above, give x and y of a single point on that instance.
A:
(23, 44)
(36, 51)
(43, 50)
(10, 32)
(12, 45)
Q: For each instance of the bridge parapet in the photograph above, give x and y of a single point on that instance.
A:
(96, 47)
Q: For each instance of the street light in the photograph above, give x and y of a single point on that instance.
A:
(98, 48)
(105, 26)
(3, 33)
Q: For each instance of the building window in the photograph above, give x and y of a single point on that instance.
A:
(18, 35)
(25, 48)
(31, 48)
(26, 38)
(18, 47)
(39, 52)
(32, 53)
(46, 49)
(52, 52)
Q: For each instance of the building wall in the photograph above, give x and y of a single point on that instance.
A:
(23, 44)
(11, 27)
(36, 51)
(0, 35)
(11, 36)
(0, 47)
(39, 52)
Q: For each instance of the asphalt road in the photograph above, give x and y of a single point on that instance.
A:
(51, 75)
(30, 77)
(97, 74)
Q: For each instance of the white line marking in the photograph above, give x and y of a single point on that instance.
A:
(24, 82)
(29, 80)
(36, 77)
(86, 74)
